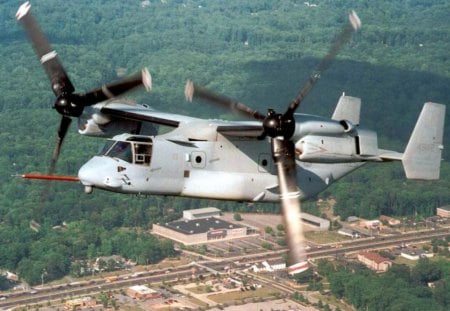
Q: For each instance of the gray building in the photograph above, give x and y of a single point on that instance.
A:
(321, 223)
(197, 231)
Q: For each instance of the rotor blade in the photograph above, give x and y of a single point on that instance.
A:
(114, 89)
(283, 152)
(354, 23)
(192, 90)
(48, 57)
(62, 131)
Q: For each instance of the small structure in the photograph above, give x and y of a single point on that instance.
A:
(82, 303)
(415, 254)
(321, 223)
(11, 276)
(443, 211)
(349, 232)
(352, 219)
(269, 266)
(201, 213)
(390, 220)
(374, 261)
(143, 292)
(372, 224)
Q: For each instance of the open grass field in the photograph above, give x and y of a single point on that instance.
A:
(325, 237)
(263, 292)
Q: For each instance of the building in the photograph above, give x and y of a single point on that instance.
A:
(374, 261)
(415, 254)
(11, 276)
(80, 303)
(352, 219)
(390, 220)
(372, 224)
(143, 292)
(197, 231)
(349, 232)
(321, 223)
(443, 211)
(201, 213)
(269, 266)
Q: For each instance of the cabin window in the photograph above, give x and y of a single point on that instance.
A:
(142, 153)
(198, 159)
(264, 163)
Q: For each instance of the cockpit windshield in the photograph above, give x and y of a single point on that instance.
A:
(109, 143)
(121, 150)
(136, 152)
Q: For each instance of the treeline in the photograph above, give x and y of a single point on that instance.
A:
(390, 193)
(426, 286)
(53, 250)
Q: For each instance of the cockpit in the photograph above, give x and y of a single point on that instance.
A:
(134, 149)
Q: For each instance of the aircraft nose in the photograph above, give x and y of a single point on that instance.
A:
(88, 173)
(99, 172)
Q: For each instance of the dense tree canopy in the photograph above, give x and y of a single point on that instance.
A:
(257, 51)
(401, 288)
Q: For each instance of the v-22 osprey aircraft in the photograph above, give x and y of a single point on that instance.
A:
(277, 157)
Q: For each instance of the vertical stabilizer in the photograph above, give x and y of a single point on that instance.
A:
(347, 108)
(422, 156)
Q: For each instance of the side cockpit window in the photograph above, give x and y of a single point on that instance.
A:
(120, 149)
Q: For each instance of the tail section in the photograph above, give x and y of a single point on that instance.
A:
(347, 108)
(422, 156)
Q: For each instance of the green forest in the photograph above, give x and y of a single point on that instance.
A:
(400, 288)
(258, 51)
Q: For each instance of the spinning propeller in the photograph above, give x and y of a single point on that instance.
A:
(280, 128)
(68, 103)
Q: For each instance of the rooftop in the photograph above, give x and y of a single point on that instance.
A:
(374, 257)
(203, 210)
(142, 289)
(203, 225)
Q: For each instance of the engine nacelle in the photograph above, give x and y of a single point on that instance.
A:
(314, 125)
(97, 124)
(104, 126)
(326, 149)
(351, 146)
(347, 126)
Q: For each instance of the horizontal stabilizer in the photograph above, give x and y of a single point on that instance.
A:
(422, 156)
(347, 108)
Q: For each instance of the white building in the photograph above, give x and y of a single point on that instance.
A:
(415, 254)
(269, 266)
(198, 213)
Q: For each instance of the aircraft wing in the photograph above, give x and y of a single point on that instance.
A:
(145, 114)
